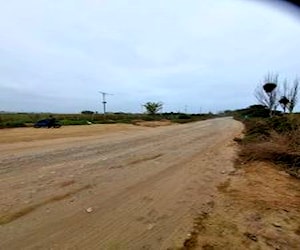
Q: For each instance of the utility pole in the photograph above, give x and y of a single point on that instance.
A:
(185, 109)
(104, 100)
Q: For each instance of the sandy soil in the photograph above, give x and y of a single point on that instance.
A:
(13, 135)
(135, 187)
(257, 208)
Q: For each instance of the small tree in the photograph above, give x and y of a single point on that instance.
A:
(289, 96)
(293, 96)
(267, 93)
(153, 107)
(284, 101)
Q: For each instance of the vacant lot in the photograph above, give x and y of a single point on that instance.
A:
(136, 187)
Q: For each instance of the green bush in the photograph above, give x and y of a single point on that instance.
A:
(184, 116)
(13, 124)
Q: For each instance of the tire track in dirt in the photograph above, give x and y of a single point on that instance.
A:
(5, 219)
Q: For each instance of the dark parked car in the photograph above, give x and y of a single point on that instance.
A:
(49, 123)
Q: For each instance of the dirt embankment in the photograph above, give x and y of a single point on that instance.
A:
(257, 208)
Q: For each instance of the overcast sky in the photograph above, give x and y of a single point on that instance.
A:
(192, 55)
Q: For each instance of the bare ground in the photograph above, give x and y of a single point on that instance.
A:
(257, 208)
(135, 187)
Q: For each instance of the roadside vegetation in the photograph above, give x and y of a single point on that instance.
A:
(11, 120)
(272, 135)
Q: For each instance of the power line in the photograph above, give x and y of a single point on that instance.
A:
(104, 100)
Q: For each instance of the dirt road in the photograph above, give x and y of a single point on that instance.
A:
(110, 187)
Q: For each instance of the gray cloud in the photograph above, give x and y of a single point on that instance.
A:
(57, 55)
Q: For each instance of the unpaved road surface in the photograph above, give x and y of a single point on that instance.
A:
(134, 187)
(110, 186)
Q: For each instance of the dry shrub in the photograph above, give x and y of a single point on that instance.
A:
(266, 151)
(260, 130)
(276, 140)
(256, 130)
